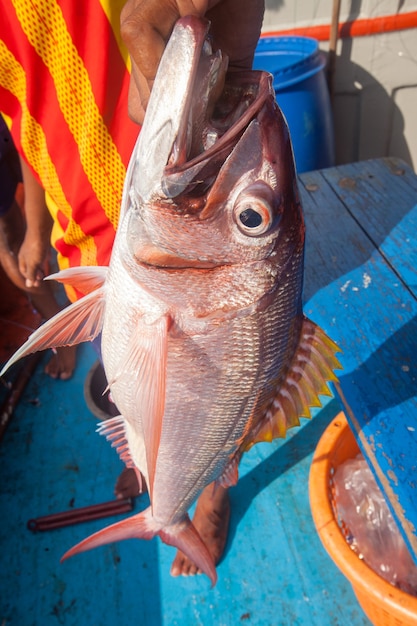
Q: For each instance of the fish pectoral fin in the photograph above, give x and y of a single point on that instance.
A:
(311, 368)
(147, 357)
(81, 321)
(85, 279)
(182, 536)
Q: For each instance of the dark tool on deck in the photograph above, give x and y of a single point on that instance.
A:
(83, 514)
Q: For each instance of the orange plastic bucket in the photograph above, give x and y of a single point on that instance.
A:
(384, 604)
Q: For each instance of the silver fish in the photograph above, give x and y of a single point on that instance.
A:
(204, 342)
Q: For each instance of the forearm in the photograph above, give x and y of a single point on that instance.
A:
(38, 218)
(36, 244)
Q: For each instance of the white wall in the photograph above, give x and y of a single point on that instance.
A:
(375, 87)
(281, 14)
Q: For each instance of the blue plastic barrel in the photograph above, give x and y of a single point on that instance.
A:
(297, 66)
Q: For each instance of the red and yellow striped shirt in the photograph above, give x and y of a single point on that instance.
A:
(63, 88)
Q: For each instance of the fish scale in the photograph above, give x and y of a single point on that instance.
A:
(232, 398)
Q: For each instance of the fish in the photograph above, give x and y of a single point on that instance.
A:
(204, 341)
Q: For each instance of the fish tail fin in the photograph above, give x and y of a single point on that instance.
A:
(135, 527)
(181, 535)
(185, 537)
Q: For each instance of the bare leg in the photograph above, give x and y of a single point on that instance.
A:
(62, 363)
(211, 519)
(128, 485)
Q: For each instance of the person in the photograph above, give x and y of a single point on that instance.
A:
(77, 141)
(16, 251)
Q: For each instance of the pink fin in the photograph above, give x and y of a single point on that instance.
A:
(182, 535)
(147, 358)
(230, 476)
(85, 279)
(185, 537)
(114, 431)
(307, 377)
(81, 321)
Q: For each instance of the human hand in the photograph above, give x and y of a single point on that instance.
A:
(32, 259)
(146, 26)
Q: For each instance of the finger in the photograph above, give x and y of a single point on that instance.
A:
(22, 266)
(145, 28)
(34, 276)
(145, 43)
(139, 92)
(237, 43)
(36, 282)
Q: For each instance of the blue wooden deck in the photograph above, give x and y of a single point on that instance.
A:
(275, 570)
(369, 307)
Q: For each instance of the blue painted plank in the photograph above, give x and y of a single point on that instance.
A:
(381, 195)
(362, 291)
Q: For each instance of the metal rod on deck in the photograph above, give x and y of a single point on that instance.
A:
(83, 514)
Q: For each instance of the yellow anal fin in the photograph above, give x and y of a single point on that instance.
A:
(309, 372)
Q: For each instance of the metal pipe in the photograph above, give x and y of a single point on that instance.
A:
(83, 514)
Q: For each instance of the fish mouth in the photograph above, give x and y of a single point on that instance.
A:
(194, 122)
(153, 257)
(193, 170)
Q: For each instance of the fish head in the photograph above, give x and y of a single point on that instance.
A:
(211, 189)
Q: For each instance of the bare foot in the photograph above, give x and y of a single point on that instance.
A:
(62, 363)
(128, 485)
(211, 519)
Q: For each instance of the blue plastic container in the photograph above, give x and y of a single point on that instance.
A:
(297, 66)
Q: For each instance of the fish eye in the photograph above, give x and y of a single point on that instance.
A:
(253, 209)
(250, 218)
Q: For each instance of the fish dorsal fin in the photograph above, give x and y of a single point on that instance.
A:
(147, 357)
(85, 279)
(81, 321)
(311, 369)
